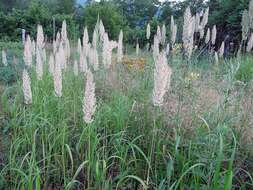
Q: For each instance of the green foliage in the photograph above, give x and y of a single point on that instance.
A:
(227, 14)
(28, 19)
(10, 73)
(108, 13)
(245, 72)
(130, 143)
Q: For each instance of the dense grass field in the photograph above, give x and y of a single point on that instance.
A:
(201, 138)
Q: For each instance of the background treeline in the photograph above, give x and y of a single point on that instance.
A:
(130, 15)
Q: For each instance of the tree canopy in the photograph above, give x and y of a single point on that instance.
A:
(130, 15)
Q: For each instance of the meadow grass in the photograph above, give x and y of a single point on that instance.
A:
(200, 139)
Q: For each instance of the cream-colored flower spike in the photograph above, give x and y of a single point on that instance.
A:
(75, 69)
(67, 51)
(156, 48)
(39, 64)
(83, 63)
(33, 48)
(188, 32)
(207, 39)
(187, 21)
(250, 43)
(159, 34)
(64, 35)
(214, 34)
(148, 32)
(163, 39)
(51, 64)
(79, 47)
(58, 75)
(245, 23)
(101, 30)
(85, 42)
(40, 38)
(197, 23)
(204, 20)
(106, 54)
(173, 30)
(94, 39)
(120, 47)
(251, 13)
(137, 49)
(28, 52)
(44, 55)
(168, 49)
(216, 58)
(89, 102)
(62, 52)
(4, 58)
(27, 88)
(201, 33)
(162, 76)
(93, 58)
(221, 50)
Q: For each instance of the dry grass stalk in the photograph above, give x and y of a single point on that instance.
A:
(89, 102)
(27, 88)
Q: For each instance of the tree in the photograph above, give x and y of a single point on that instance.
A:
(227, 15)
(108, 13)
